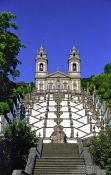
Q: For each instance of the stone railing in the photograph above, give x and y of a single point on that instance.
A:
(104, 111)
(33, 154)
(91, 169)
(56, 90)
(17, 172)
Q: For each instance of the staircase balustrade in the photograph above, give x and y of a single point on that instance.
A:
(91, 169)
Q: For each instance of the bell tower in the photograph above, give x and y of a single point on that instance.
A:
(41, 69)
(74, 69)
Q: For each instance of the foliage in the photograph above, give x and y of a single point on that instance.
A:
(91, 88)
(18, 140)
(6, 87)
(22, 89)
(85, 82)
(101, 149)
(107, 68)
(18, 135)
(109, 103)
(4, 107)
(101, 83)
(10, 45)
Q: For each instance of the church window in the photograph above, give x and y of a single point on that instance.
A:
(74, 54)
(65, 85)
(41, 86)
(74, 86)
(58, 84)
(74, 67)
(50, 85)
(41, 67)
(41, 54)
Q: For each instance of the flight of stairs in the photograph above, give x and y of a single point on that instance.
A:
(58, 159)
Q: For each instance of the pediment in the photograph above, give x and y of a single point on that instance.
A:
(58, 74)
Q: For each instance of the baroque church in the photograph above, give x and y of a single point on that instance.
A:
(58, 80)
(57, 107)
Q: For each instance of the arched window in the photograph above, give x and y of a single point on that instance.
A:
(41, 67)
(74, 67)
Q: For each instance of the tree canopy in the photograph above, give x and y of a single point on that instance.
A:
(107, 68)
(101, 83)
(10, 45)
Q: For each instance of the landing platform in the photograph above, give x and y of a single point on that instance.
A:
(69, 140)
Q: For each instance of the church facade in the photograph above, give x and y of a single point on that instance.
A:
(58, 80)
(57, 107)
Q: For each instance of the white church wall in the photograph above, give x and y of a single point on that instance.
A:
(49, 131)
(51, 115)
(50, 123)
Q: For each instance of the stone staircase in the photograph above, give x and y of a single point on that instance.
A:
(58, 159)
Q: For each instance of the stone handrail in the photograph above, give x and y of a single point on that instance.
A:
(31, 161)
(17, 172)
(33, 154)
(90, 167)
(80, 146)
(39, 147)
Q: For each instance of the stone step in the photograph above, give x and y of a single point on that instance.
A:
(59, 167)
(58, 172)
(68, 158)
(63, 169)
(44, 173)
(59, 164)
(60, 150)
(47, 173)
(59, 159)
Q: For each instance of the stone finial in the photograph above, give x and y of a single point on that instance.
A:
(77, 135)
(39, 134)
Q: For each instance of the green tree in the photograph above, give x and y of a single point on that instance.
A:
(10, 45)
(22, 89)
(18, 139)
(85, 82)
(101, 149)
(98, 80)
(107, 68)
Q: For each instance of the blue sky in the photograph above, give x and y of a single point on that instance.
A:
(60, 24)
